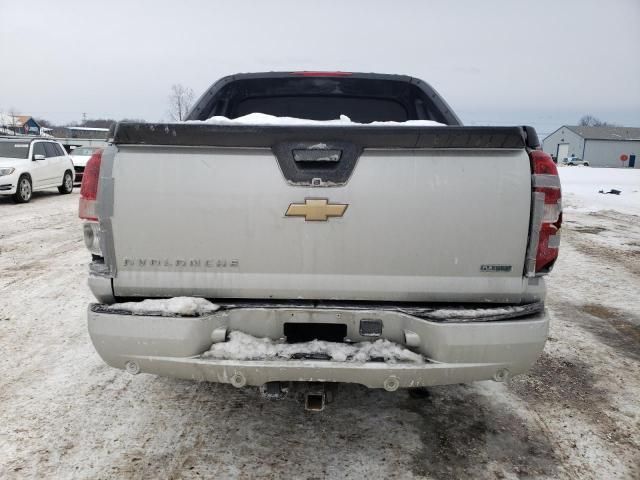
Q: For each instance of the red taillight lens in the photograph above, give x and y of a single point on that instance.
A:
(546, 214)
(542, 163)
(548, 245)
(89, 188)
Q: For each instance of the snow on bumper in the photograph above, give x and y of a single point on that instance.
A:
(454, 352)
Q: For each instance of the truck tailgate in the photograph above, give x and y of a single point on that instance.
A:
(425, 223)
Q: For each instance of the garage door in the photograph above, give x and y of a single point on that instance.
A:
(563, 151)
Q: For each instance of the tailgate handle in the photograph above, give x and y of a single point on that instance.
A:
(304, 162)
(317, 155)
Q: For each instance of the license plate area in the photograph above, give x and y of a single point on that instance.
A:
(306, 332)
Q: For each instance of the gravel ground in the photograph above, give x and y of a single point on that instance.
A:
(64, 414)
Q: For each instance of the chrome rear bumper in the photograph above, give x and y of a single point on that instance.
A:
(455, 352)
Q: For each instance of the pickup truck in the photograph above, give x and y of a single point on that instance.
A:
(362, 234)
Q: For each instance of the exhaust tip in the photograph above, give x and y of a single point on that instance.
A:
(314, 402)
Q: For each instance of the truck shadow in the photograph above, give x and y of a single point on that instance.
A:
(455, 432)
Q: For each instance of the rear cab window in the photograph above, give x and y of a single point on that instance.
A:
(364, 98)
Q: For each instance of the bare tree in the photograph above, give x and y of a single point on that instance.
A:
(591, 121)
(13, 115)
(44, 123)
(9, 122)
(180, 102)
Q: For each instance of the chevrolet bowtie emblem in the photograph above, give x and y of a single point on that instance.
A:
(316, 209)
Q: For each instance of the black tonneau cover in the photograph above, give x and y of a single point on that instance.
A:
(203, 134)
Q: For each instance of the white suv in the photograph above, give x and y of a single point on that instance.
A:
(28, 164)
(573, 161)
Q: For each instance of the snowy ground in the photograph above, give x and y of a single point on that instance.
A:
(64, 414)
(582, 185)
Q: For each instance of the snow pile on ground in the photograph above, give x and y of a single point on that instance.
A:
(242, 346)
(580, 187)
(264, 119)
(186, 306)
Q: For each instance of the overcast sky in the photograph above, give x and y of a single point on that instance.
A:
(495, 61)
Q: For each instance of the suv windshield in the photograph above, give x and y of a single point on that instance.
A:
(14, 149)
(83, 151)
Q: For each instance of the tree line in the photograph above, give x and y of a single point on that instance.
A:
(180, 101)
(591, 121)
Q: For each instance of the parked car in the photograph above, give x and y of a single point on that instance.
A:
(80, 156)
(28, 165)
(413, 248)
(574, 161)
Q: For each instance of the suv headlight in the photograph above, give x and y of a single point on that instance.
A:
(6, 171)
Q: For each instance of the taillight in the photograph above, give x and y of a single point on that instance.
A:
(89, 188)
(546, 215)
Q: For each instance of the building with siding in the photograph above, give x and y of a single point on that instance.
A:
(600, 146)
(18, 125)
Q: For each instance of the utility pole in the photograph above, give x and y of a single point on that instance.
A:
(84, 118)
